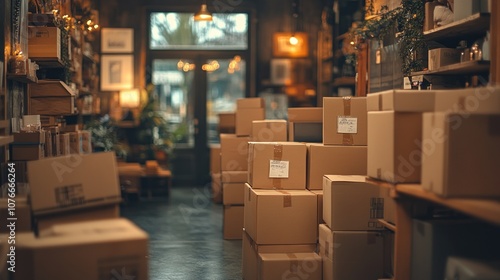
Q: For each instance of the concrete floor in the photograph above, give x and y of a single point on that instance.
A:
(185, 231)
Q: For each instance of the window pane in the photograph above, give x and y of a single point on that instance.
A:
(180, 31)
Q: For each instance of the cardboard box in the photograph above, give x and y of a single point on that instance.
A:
(351, 254)
(227, 122)
(374, 102)
(305, 114)
(29, 137)
(319, 196)
(394, 146)
(310, 132)
(244, 119)
(328, 159)
(290, 266)
(471, 269)
(234, 152)
(44, 42)
(233, 193)
(442, 57)
(22, 211)
(471, 100)
(350, 203)
(434, 241)
(249, 102)
(86, 141)
(408, 100)
(216, 188)
(70, 182)
(52, 105)
(344, 121)
(268, 214)
(466, 8)
(461, 154)
(234, 176)
(233, 222)
(215, 158)
(279, 165)
(27, 151)
(44, 223)
(251, 252)
(389, 205)
(75, 142)
(105, 249)
(269, 131)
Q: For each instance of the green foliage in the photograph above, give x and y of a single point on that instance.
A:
(104, 136)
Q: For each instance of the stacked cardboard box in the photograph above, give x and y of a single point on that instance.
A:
(215, 173)
(280, 214)
(305, 124)
(28, 145)
(233, 185)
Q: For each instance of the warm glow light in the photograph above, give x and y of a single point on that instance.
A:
(129, 98)
(210, 67)
(203, 14)
(293, 40)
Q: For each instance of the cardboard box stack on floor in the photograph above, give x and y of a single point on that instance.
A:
(215, 173)
(281, 220)
(305, 124)
(234, 163)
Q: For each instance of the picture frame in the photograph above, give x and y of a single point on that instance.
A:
(283, 48)
(117, 72)
(117, 40)
(281, 71)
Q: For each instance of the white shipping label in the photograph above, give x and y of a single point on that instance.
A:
(347, 125)
(278, 169)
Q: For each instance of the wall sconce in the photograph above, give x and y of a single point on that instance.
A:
(203, 14)
(129, 99)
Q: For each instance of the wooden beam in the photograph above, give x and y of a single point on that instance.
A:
(495, 43)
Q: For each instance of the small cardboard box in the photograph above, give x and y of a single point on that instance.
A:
(105, 249)
(75, 142)
(76, 181)
(233, 193)
(64, 146)
(29, 137)
(344, 121)
(249, 102)
(244, 119)
(215, 158)
(268, 214)
(234, 152)
(21, 208)
(319, 196)
(374, 102)
(310, 132)
(269, 131)
(290, 266)
(350, 203)
(27, 151)
(277, 165)
(44, 42)
(461, 154)
(470, 100)
(227, 122)
(233, 222)
(216, 188)
(305, 114)
(234, 176)
(351, 254)
(52, 105)
(394, 146)
(251, 252)
(329, 159)
(443, 56)
(408, 100)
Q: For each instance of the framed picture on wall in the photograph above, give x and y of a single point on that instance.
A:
(283, 46)
(117, 72)
(281, 71)
(117, 40)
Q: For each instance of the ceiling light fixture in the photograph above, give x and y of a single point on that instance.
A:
(203, 14)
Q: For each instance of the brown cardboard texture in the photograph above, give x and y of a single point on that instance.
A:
(269, 131)
(374, 102)
(461, 154)
(329, 159)
(394, 146)
(233, 193)
(44, 42)
(234, 152)
(88, 250)
(234, 176)
(251, 253)
(389, 205)
(249, 102)
(244, 119)
(281, 216)
(233, 222)
(305, 114)
(472, 100)
(215, 159)
(442, 57)
(227, 121)
(344, 121)
(319, 196)
(27, 151)
(350, 203)
(216, 188)
(277, 165)
(351, 254)
(408, 100)
(64, 183)
(290, 266)
(29, 137)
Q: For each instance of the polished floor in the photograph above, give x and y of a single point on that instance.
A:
(185, 231)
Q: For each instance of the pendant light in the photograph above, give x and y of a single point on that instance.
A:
(203, 14)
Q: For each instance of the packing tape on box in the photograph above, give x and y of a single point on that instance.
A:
(277, 155)
(347, 138)
(294, 262)
(287, 199)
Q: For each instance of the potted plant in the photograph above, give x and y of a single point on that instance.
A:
(104, 137)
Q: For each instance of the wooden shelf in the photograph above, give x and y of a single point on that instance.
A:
(23, 78)
(463, 68)
(5, 140)
(344, 81)
(484, 209)
(4, 124)
(472, 25)
(48, 62)
(387, 225)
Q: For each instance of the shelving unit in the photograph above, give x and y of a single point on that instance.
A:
(475, 25)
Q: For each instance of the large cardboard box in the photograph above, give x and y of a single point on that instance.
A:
(216, 188)
(461, 154)
(389, 205)
(279, 165)
(249, 102)
(310, 132)
(470, 100)
(290, 266)
(104, 249)
(394, 146)
(350, 203)
(234, 176)
(434, 241)
(234, 152)
(374, 101)
(351, 254)
(227, 122)
(244, 119)
(407, 100)
(442, 57)
(29, 137)
(251, 252)
(27, 151)
(215, 158)
(233, 222)
(233, 193)
(280, 217)
(21, 208)
(344, 121)
(44, 42)
(319, 196)
(269, 131)
(305, 114)
(329, 159)
(64, 183)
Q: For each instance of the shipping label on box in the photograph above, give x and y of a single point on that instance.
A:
(277, 165)
(234, 152)
(269, 131)
(344, 121)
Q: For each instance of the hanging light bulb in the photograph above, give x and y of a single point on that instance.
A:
(293, 40)
(203, 14)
